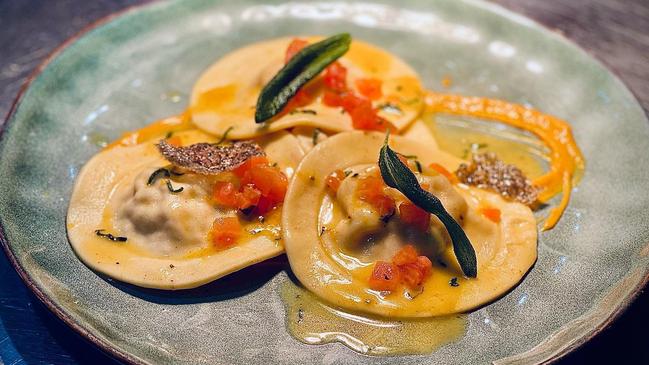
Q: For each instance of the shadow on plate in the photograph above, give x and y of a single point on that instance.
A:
(231, 286)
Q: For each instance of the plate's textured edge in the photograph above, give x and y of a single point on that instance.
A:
(126, 357)
(51, 305)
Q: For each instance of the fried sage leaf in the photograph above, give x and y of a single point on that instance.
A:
(397, 175)
(207, 158)
(299, 70)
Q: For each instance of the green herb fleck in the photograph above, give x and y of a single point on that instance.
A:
(169, 134)
(224, 137)
(397, 175)
(157, 174)
(418, 164)
(109, 236)
(348, 172)
(453, 282)
(303, 111)
(314, 137)
(171, 188)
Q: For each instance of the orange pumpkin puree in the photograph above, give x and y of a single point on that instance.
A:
(566, 160)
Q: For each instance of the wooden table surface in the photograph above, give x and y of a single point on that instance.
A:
(613, 31)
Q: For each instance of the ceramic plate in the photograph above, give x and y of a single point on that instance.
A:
(140, 66)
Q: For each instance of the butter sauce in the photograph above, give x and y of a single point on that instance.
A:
(312, 321)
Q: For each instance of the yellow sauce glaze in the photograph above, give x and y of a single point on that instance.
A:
(311, 321)
(516, 149)
(157, 129)
(566, 160)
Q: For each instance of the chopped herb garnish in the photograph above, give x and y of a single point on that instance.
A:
(453, 282)
(418, 165)
(323, 230)
(109, 236)
(390, 108)
(314, 137)
(347, 172)
(224, 137)
(303, 111)
(171, 187)
(157, 174)
(169, 134)
(410, 157)
(299, 70)
(355, 174)
(397, 175)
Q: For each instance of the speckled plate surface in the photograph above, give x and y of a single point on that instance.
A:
(140, 66)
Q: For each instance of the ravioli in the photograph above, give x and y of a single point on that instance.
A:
(332, 241)
(167, 244)
(225, 95)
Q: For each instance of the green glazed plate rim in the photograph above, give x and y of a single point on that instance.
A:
(556, 353)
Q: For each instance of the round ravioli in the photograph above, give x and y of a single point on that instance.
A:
(152, 229)
(225, 95)
(333, 241)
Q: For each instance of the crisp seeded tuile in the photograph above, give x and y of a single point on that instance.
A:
(207, 158)
(486, 171)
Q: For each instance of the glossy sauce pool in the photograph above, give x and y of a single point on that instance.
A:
(310, 320)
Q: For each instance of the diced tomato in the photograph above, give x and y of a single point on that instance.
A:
(264, 205)
(250, 163)
(449, 175)
(425, 265)
(334, 180)
(332, 99)
(415, 273)
(224, 193)
(248, 197)
(369, 88)
(413, 269)
(335, 77)
(370, 189)
(385, 277)
(225, 232)
(414, 216)
(406, 255)
(493, 214)
(364, 116)
(407, 267)
(262, 186)
(271, 182)
(294, 47)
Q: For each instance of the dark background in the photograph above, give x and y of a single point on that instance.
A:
(615, 32)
